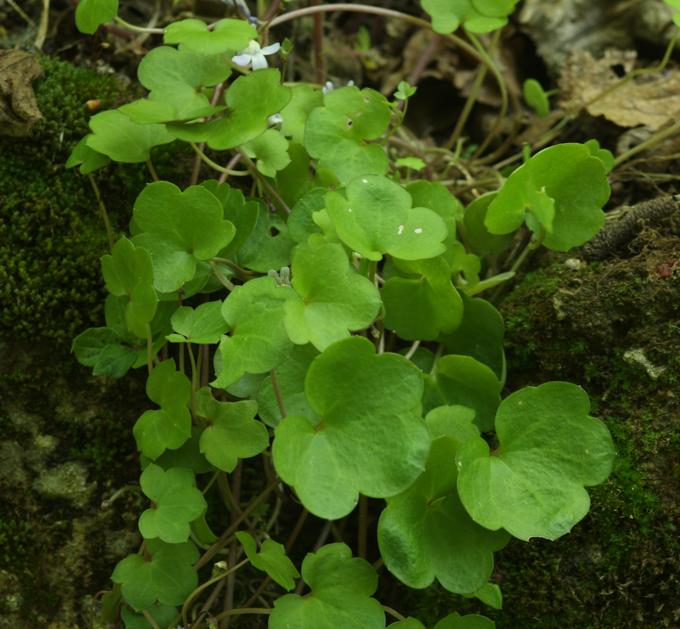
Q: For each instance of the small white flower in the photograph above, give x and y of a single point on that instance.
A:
(275, 119)
(255, 55)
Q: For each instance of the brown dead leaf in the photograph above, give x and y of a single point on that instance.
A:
(18, 107)
(649, 100)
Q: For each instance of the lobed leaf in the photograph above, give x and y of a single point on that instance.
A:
(232, 434)
(271, 559)
(165, 574)
(175, 503)
(341, 588)
(549, 449)
(333, 299)
(370, 437)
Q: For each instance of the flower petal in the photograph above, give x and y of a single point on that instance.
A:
(243, 59)
(259, 61)
(271, 49)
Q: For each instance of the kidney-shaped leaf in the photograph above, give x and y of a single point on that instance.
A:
(233, 433)
(341, 588)
(338, 133)
(128, 272)
(202, 325)
(175, 502)
(170, 426)
(560, 192)
(271, 559)
(225, 35)
(425, 532)
(258, 341)
(470, 621)
(178, 229)
(90, 14)
(466, 381)
(376, 217)
(166, 576)
(371, 437)
(477, 16)
(121, 139)
(333, 298)
(549, 449)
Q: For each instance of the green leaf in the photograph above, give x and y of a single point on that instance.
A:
(270, 151)
(269, 245)
(121, 139)
(101, 349)
(162, 614)
(250, 99)
(479, 335)
(477, 236)
(333, 299)
(175, 503)
(91, 14)
(300, 222)
(341, 587)
(178, 229)
(242, 213)
(535, 97)
(414, 163)
(128, 272)
(407, 623)
(465, 381)
(549, 449)
(675, 4)
(437, 197)
(425, 306)
(566, 176)
(233, 432)
(203, 326)
(165, 574)
(603, 155)
(338, 133)
(425, 532)
(271, 559)
(225, 36)
(167, 428)
(296, 179)
(290, 375)
(87, 158)
(490, 594)
(477, 16)
(305, 98)
(188, 455)
(405, 91)
(471, 621)
(376, 217)
(371, 437)
(258, 341)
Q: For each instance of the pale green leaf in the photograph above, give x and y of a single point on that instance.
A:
(341, 587)
(121, 139)
(175, 503)
(549, 449)
(232, 434)
(333, 299)
(91, 14)
(369, 406)
(271, 559)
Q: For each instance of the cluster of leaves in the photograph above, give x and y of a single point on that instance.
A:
(297, 301)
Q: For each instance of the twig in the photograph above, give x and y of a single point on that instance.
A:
(42, 26)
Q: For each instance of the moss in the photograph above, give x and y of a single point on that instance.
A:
(620, 566)
(51, 235)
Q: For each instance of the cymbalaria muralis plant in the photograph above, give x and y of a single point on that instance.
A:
(317, 322)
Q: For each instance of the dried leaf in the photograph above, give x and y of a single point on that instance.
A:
(18, 107)
(651, 100)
